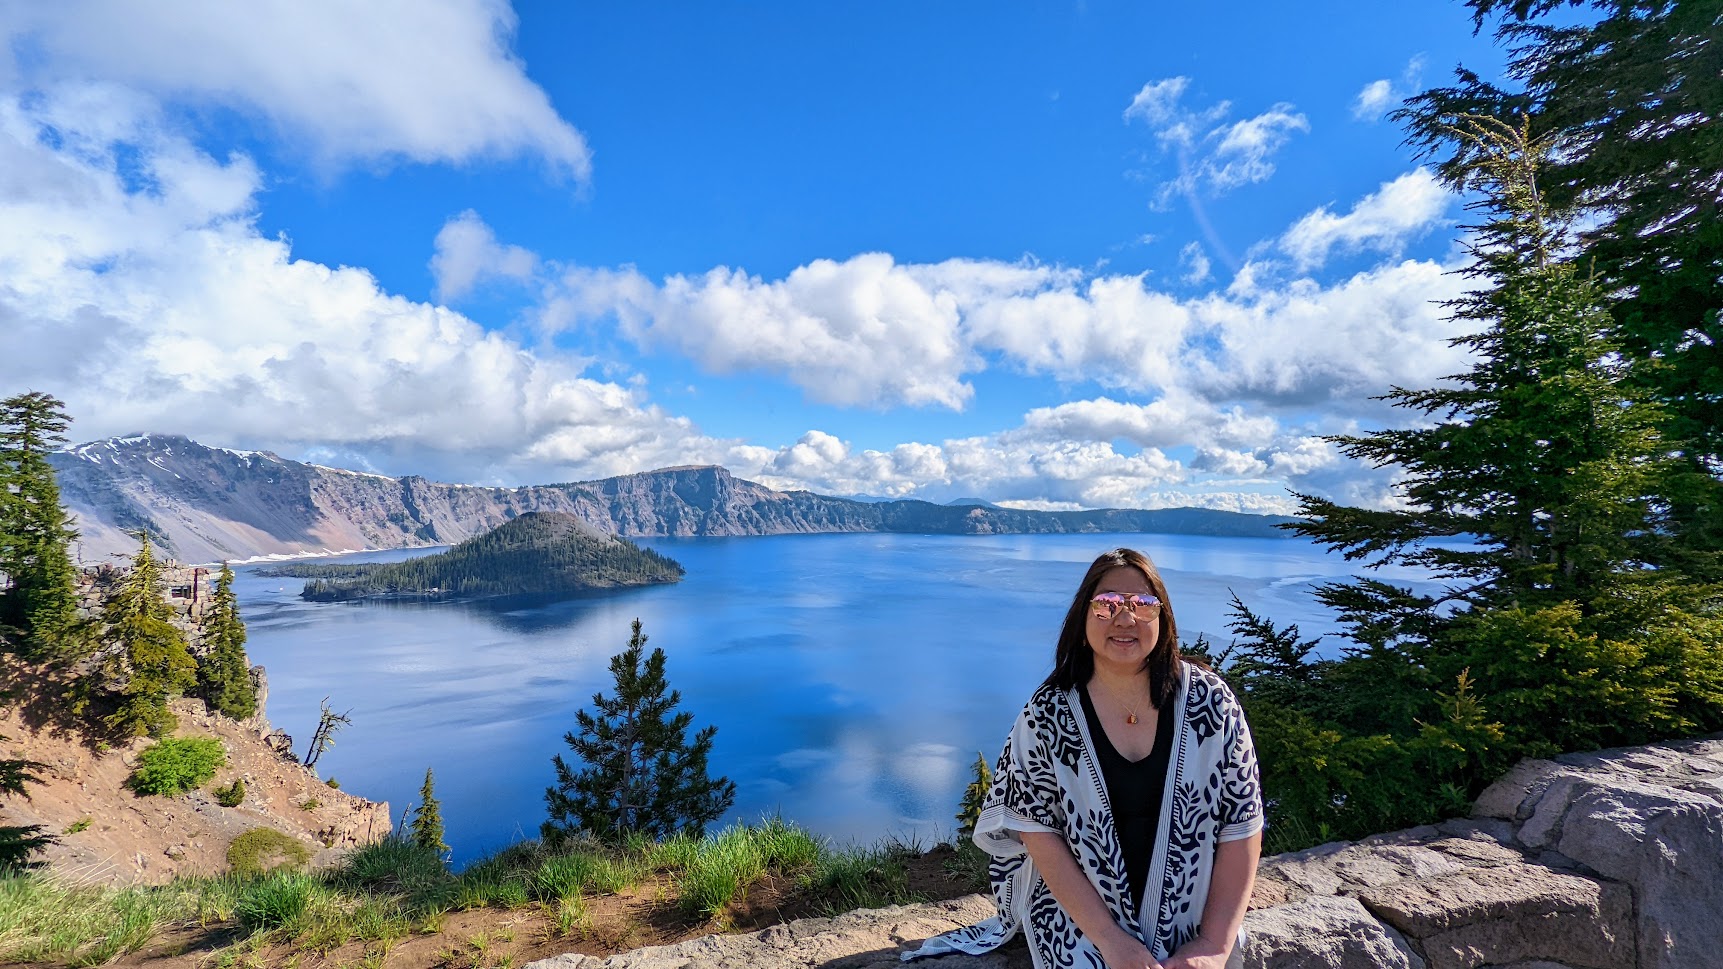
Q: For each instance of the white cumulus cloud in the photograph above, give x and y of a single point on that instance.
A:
(468, 254)
(135, 286)
(862, 332)
(1383, 221)
(421, 80)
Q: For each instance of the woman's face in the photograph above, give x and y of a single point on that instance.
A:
(1123, 642)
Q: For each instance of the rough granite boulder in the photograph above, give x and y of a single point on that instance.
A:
(1668, 844)
(1505, 914)
(1329, 932)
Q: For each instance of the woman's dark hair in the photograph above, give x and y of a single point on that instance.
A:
(1074, 662)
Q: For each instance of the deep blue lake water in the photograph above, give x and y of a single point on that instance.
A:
(852, 678)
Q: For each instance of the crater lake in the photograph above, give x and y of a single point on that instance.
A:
(853, 678)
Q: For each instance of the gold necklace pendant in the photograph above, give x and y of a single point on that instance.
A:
(1130, 718)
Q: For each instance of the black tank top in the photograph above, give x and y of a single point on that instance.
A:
(1134, 789)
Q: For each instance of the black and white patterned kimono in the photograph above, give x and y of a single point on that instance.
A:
(1049, 779)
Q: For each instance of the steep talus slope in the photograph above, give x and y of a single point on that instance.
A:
(204, 504)
(107, 834)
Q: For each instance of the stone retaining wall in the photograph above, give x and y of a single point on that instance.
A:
(1608, 860)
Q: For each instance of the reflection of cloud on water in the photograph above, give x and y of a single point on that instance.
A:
(868, 779)
(803, 758)
(930, 769)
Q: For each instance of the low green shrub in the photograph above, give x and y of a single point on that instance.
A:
(233, 795)
(263, 850)
(176, 765)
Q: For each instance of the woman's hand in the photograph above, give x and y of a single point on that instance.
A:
(1121, 950)
(1199, 953)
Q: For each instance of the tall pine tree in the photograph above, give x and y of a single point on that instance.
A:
(35, 531)
(1628, 94)
(642, 775)
(1536, 485)
(223, 673)
(154, 661)
(428, 819)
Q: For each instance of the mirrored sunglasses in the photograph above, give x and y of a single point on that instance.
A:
(1106, 605)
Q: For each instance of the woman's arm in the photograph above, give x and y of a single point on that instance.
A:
(1223, 914)
(1077, 896)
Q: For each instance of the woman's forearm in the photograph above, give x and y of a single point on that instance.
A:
(1229, 889)
(1073, 890)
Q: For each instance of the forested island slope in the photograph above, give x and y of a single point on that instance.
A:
(537, 554)
(206, 504)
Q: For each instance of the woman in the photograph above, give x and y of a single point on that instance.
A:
(1125, 818)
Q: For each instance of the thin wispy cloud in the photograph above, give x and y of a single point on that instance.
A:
(1380, 96)
(1195, 264)
(1212, 155)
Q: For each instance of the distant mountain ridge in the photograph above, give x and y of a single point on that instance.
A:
(205, 504)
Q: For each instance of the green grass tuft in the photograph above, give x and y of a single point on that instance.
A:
(277, 901)
(863, 877)
(393, 864)
(720, 871)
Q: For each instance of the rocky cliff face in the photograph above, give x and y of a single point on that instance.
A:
(204, 504)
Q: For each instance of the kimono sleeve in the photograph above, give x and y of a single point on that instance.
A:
(1241, 810)
(1026, 795)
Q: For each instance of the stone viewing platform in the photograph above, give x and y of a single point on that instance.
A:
(1606, 860)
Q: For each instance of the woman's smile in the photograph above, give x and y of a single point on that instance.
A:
(1122, 641)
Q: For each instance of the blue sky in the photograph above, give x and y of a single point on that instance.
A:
(1089, 255)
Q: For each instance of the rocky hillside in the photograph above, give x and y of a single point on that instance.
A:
(204, 504)
(108, 834)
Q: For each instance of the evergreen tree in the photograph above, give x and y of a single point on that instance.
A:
(35, 534)
(19, 842)
(974, 796)
(1628, 94)
(224, 674)
(154, 662)
(428, 820)
(1535, 485)
(642, 776)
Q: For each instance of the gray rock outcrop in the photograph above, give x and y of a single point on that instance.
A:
(1607, 860)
